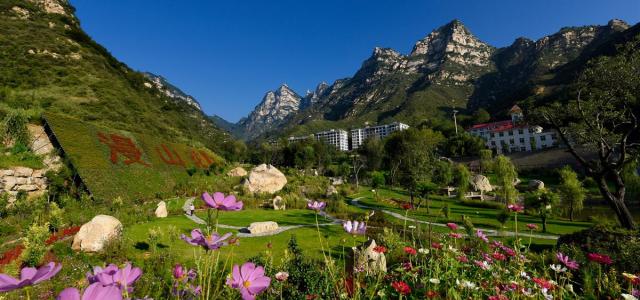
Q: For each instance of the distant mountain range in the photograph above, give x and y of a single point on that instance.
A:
(448, 68)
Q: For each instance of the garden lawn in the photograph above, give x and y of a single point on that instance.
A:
(333, 236)
(481, 217)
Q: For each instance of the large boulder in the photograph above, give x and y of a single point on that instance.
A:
(161, 210)
(262, 227)
(367, 259)
(536, 184)
(265, 179)
(480, 183)
(93, 235)
(237, 172)
(331, 190)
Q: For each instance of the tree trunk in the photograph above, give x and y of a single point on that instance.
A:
(571, 211)
(617, 201)
(544, 224)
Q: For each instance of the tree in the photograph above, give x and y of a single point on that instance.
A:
(464, 144)
(372, 151)
(486, 161)
(424, 189)
(443, 172)
(481, 116)
(506, 175)
(542, 202)
(377, 181)
(603, 119)
(461, 178)
(570, 190)
(413, 151)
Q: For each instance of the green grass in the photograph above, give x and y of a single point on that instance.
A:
(307, 237)
(107, 180)
(481, 217)
(25, 159)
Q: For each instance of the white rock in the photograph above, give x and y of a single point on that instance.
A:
(237, 172)
(161, 210)
(22, 172)
(9, 182)
(368, 260)
(27, 187)
(265, 179)
(6, 173)
(261, 227)
(536, 184)
(331, 190)
(96, 233)
(480, 183)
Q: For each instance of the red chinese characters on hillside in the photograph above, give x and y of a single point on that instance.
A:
(120, 145)
(124, 146)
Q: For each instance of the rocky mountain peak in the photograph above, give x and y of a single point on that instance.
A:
(52, 6)
(618, 24)
(274, 108)
(164, 87)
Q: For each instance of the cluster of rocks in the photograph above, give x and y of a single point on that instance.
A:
(21, 179)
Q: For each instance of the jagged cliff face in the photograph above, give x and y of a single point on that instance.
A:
(450, 66)
(275, 107)
(163, 86)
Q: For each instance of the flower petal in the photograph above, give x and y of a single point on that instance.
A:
(69, 294)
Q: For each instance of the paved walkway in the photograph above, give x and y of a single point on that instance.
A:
(490, 232)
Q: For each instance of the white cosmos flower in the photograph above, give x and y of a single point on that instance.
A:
(423, 251)
(558, 268)
(628, 297)
(569, 287)
(412, 226)
(434, 280)
(466, 284)
(452, 249)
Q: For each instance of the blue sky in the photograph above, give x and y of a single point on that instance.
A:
(227, 54)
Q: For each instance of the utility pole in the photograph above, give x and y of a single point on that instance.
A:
(455, 120)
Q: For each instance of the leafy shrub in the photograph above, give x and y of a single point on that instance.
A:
(34, 244)
(14, 128)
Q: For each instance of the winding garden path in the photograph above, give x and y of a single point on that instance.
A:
(491, 232)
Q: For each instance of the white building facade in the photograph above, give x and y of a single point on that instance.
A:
(335, 137)
(514, 135)
(358, 135)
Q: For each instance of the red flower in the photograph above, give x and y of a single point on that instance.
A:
(600, 258)
(498, 297)
(380, 249)
(498, 256)
(436, 245)
(410, 251)
(515, 208)
(532, 226)
(432, 294)
(401, 287)
(407, 266)
(542, 283)
(463, 259)
(407, 206)
(311, 296)
(452, 226)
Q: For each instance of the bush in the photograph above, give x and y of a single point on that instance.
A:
(34, 244)
(608, 240)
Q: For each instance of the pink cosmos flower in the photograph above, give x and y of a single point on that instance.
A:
(249, 279)
(481, 235)
(455, 235)
(532, 226)
(515, 208)
(436, 245)
(95, 291)
(29, 276)
(463, 259)
(282, 276)
(571, 264)
(316, 205)
(123, 278)
(498, 256)
(211, 242)
(452, 226)
(600, 258)
(482, 264)
(354, 227)
(220, 202)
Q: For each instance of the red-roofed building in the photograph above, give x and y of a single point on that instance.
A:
(514, 135)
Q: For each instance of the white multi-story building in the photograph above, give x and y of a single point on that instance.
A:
(300, 138)
(358, 135)
(514, 135)
(336, 137)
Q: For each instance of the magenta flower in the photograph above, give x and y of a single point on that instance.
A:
(515, 208)
(249, 279)
(220, 202)
(316, 205)
(212, 242)
(111, 269)
(123, 278)
(600, 258)
(95, 291)
(532, 226)
(354, 227)
(452, 226)
(29, 276)
(455, 235)
(482, 236)
(571, 264)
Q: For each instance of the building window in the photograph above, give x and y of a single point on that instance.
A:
(493, 143)
(493, 135)
(501, 134)
(543, 138)
(523, 149)
(511, 141)
(510, 133)
(520, 131)
(521, 140)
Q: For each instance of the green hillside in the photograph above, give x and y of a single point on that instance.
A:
(49, 64)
